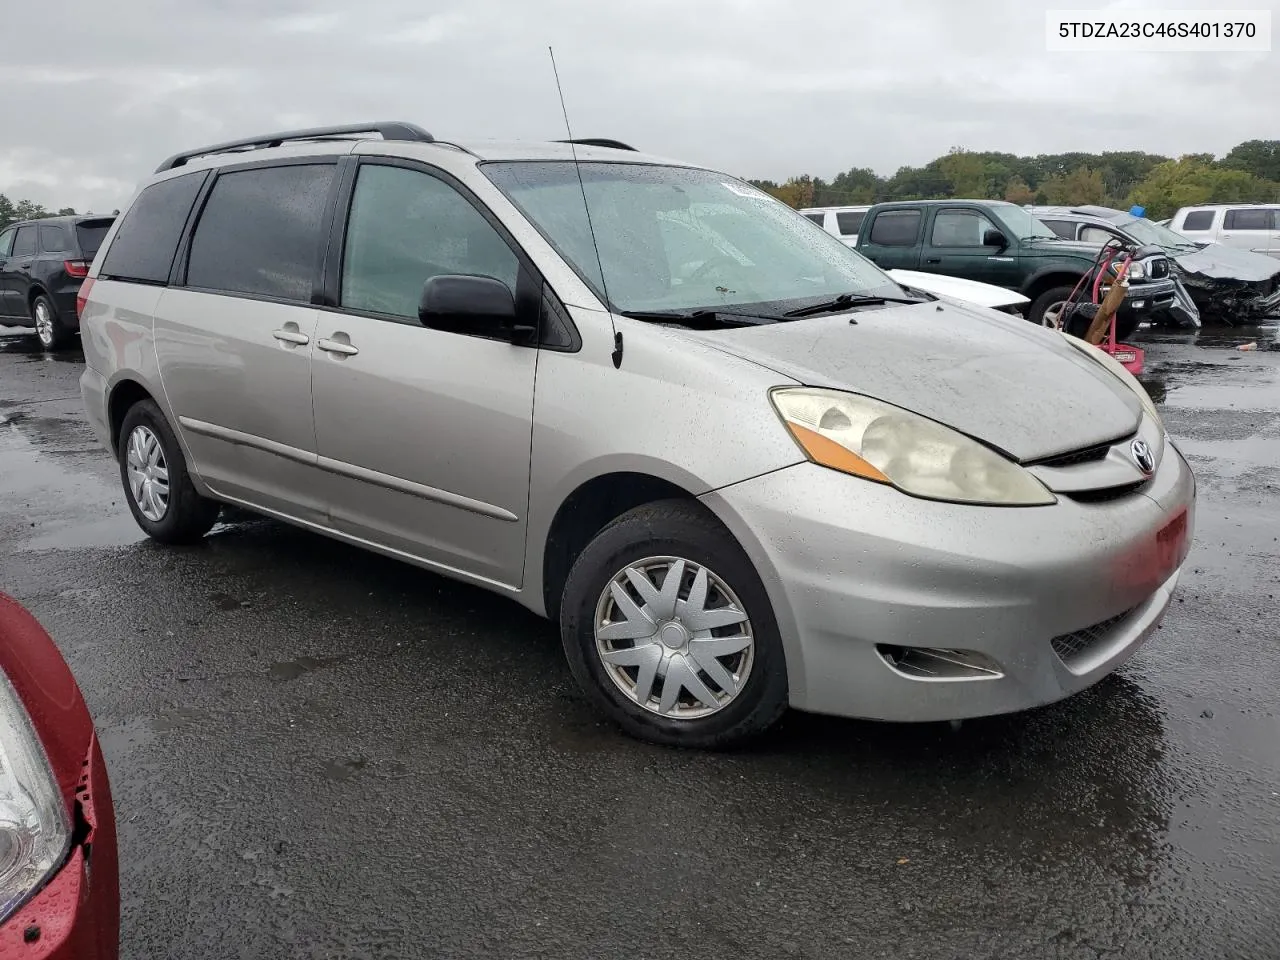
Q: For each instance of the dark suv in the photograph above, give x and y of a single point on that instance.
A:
(42, 264)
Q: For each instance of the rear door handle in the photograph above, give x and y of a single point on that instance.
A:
(291, 336)
(336, 346)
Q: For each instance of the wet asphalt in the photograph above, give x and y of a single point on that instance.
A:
(318, 752)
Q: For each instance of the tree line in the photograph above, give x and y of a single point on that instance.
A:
(1249, 173)
(11, 212)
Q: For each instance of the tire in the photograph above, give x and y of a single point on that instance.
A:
(1043, 302)
(186, 515)
(50, 330)
(662, 532)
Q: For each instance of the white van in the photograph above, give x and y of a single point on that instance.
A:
(842, 222)
(1253, 227)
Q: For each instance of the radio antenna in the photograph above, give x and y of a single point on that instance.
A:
(573, 147)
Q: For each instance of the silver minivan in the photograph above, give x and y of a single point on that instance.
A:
(738, 464)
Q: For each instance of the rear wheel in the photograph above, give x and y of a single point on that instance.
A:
(669, 630)
(51, 331)
(158, 487)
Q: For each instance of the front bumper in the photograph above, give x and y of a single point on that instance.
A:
(1149, 295)
(76, 915)
(853, 567)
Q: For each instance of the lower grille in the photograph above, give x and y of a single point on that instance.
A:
(1105, 494)
(1072, 648)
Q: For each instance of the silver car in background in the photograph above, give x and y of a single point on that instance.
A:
(738, 464)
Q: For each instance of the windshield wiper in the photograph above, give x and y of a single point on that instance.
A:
(844, 301)
(694, 317)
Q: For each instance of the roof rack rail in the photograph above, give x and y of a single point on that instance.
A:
(601, 142)
(390, 130)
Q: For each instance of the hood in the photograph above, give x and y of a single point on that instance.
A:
(1017, 387)
(957, 288)
(1219, 262)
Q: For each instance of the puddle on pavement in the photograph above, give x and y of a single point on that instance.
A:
(48, 501)
(340, 770)
(293, 669)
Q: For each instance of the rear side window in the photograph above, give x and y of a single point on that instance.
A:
(53, 239)
(147, 240)
(24, 243)
(816, 217)
(90, 234)
(849, 221)
(1198, 220)
(896, 228)
(260, 232)
(1248, 220)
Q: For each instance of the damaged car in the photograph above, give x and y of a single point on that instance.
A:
(738, 464)
(1219, 284)
(59, 881)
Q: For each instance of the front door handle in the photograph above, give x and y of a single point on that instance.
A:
(336, 346)
(933, 260)
(291, 336)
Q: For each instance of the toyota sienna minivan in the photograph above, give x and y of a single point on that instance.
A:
(739, 465)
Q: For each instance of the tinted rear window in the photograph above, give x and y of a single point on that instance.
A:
(1198, 220)
(260, 232)
(54, 239)
(848, 222)
(896, 228)
(91, 233)
(147, 240)
(1063, 228)
(816, 217)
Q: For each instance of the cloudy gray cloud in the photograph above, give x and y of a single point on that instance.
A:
(757, 87)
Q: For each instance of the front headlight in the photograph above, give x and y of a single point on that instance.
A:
(1115, 366)
(1137, 271)
(887, 444)
(34, 832)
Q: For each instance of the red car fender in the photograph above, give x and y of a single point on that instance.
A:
(77, 912)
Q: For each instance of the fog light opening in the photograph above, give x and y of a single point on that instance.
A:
(934, 663)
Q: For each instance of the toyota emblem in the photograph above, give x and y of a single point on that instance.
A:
(1142, 456)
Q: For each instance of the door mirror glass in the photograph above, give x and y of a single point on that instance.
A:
(461, 303)
(994, 238)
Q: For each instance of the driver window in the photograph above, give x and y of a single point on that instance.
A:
(960, 228)
(6, 242)
(1096, 235)
(406, 227)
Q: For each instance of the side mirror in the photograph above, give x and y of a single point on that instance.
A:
(994, 238)
(480, 306)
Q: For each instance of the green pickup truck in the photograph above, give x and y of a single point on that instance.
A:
(1001, 243)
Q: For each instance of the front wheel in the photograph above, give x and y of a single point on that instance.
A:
(669, 630)
(157, 485)
(1046, 309)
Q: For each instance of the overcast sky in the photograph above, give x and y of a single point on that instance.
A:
(760, 88)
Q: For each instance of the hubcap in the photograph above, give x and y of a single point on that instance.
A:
(1053, 315)
(674, 638)
(44, 323)
(148, 473)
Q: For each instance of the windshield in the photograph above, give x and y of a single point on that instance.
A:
(1144, 231)
(680, 239)
(1022, 223)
